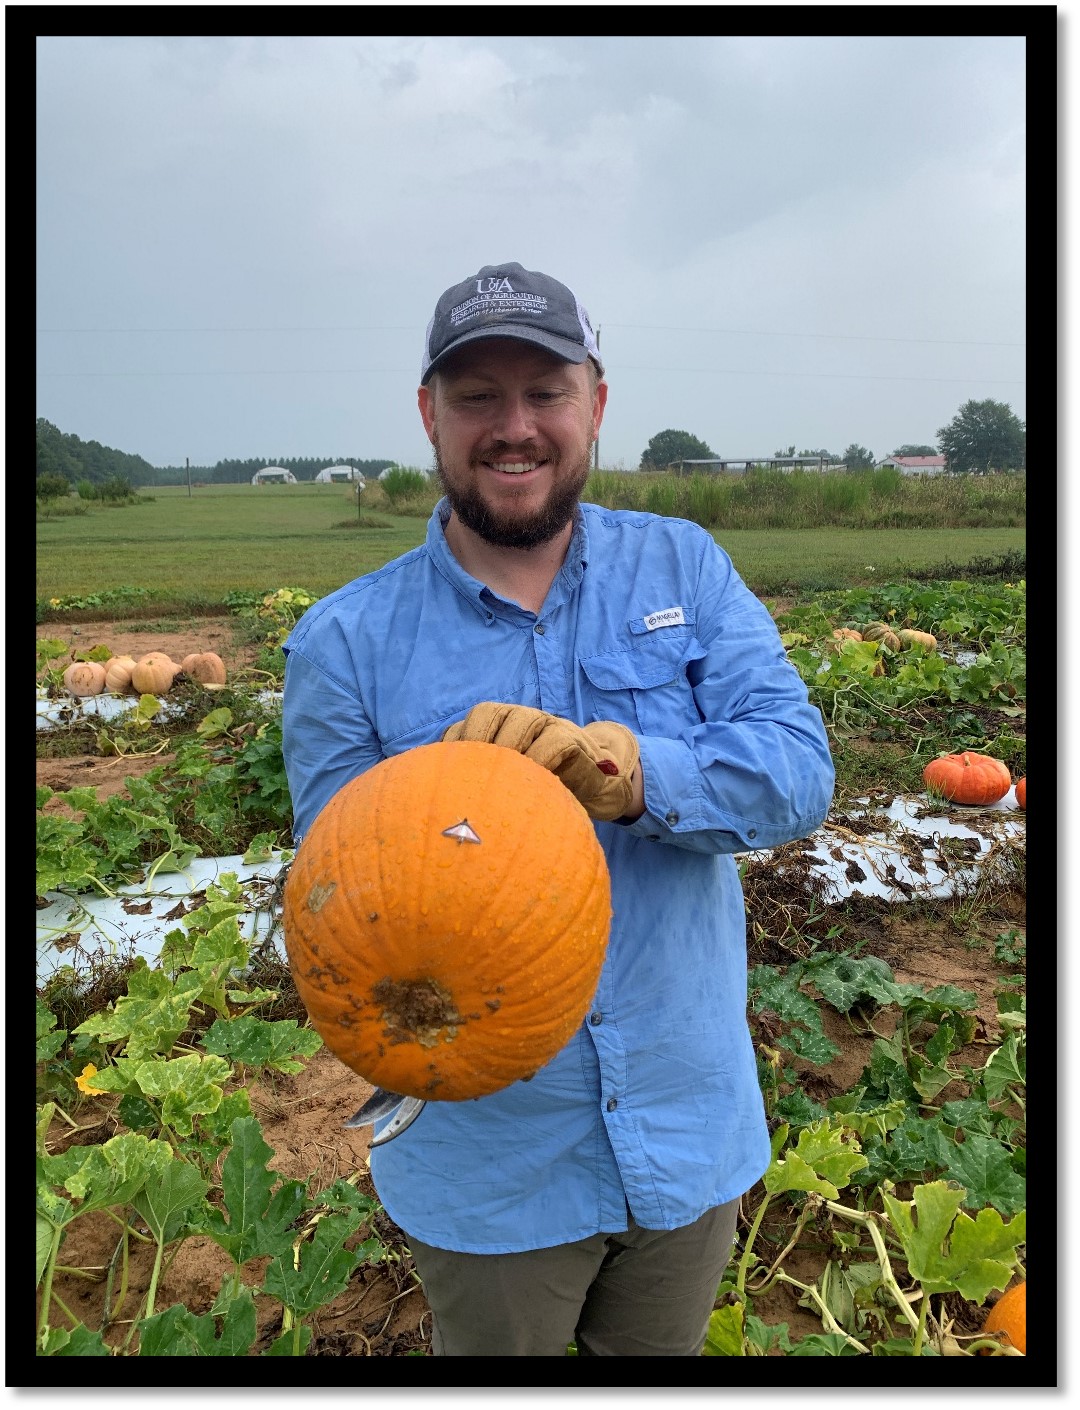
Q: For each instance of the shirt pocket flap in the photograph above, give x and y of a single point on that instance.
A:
(657, 662)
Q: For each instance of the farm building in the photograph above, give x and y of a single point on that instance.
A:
(273, 475)
(339, 474)
(915, 464)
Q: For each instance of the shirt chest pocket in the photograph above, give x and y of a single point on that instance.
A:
(643, 687)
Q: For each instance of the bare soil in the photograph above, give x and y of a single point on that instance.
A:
(383, 1312)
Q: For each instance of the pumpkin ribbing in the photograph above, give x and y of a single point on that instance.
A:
(968, 777)
(439, 967)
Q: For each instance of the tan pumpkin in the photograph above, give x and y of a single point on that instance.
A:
(446, 917)
(206, 667)
(118, 671)
(968, 777)
(1021, 793)
(881, 631)
(909, 637)
(85, 678)
(153, 674)
(847, 634)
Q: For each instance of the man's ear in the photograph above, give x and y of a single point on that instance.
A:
(425, 400)
(599, 402)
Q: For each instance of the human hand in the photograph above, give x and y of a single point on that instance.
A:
(596, 762)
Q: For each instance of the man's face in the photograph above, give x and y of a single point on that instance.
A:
(513, 428)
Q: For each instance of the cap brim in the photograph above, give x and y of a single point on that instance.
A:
(563, 348)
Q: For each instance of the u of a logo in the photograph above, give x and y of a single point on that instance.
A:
(494, 286)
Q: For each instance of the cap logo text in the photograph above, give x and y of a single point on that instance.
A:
(494, 286)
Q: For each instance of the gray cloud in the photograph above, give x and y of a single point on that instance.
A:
(818, 239)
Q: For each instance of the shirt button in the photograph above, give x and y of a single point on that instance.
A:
(672, 818)
(752, 832)
(596, 1019)
(539, 629)
(612, 1104)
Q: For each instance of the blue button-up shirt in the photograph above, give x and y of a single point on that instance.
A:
(654, 1104)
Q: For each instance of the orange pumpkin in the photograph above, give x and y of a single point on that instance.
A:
(968, 777)
(446, 919)
(846, 634)
(1009, 1317)
(1021, 793)
(206, 667)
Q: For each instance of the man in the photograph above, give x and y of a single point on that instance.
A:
(595, 1203)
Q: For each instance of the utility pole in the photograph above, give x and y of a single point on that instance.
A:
(596, 443)
(187, 463)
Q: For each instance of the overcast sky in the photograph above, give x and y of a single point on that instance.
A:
(811, 239)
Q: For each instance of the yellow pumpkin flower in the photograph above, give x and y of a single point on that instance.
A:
(83, 1081)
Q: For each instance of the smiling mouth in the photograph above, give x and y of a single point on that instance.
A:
(515, 467)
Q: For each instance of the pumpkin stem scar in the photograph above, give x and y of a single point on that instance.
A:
(462, 831)
(417, 1010)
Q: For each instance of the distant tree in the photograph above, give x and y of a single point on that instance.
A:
(784, 454)
(857, 457)
(915, 450)
(50, 486)
(669, 447)
(983, 436)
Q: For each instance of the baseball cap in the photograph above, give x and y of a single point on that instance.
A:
(507, 301)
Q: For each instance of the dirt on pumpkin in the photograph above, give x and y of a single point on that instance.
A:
(383, 1311)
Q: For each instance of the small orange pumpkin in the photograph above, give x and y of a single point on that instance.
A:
(1009, 1317)
(1021, 793)
(85, 678)
(118, 671)
(847, 634)
(153, 674)
(446, 919)
(206, 667)
(968, 777)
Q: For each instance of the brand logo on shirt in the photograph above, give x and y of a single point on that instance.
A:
(494, 286)
(669, 617)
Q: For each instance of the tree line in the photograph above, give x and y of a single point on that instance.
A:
(63, 456)
(982, 436)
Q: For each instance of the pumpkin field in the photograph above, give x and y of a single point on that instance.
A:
(198, 1192)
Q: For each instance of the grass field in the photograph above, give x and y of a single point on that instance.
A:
(199, 547)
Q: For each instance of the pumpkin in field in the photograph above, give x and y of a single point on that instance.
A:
(85, 678)
(847, 634)
(881, 631)
(206, 667)
(1021, 793)
(153, 674)
(968, 777)
(909, 637)
(118, 671)
(1009, 1317)
(446, 918)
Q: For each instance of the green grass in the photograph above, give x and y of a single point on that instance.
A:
(221, 538)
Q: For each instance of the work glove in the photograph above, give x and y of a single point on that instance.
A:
(596, 762)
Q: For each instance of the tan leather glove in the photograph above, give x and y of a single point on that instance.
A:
(596, 762)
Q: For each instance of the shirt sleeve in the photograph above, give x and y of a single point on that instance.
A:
(327, 738)
(757, 771)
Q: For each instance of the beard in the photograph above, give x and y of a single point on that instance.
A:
(521, 530)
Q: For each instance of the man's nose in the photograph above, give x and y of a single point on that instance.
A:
(516, 420)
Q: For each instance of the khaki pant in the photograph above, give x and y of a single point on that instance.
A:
(644, 1292)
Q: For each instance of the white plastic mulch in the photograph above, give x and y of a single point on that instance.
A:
(890, 851)
(894, 848)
